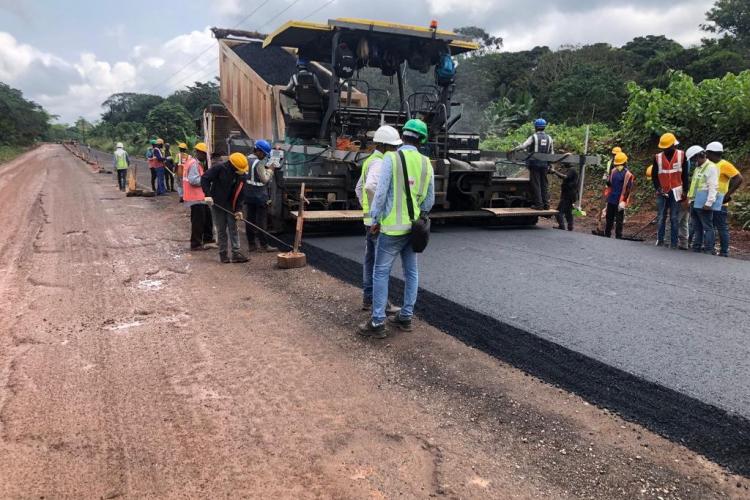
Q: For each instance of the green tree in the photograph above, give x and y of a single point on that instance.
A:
(588, 94)
(170, 121)
(196, 98)
(21, 121)
(487, 42)
(129, 107)
(731, 17)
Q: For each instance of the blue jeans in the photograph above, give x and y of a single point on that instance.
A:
(670, 204)
(371, 240)
(704, 238)
(386, 251)
(161, 188)
(721, 225)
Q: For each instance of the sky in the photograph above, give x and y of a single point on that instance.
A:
(69, 56)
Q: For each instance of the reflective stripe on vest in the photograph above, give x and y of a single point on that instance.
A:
(419, 170)
(252, 180)
(670, 172)
(541, 143)
(121, 159)
(376, 155)
(190, 192)
(699, 179)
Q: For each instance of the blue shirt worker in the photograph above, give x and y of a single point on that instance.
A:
(620, 186)
(390, 218)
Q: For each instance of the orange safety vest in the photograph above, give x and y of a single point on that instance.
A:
(670, 172)
(190, 192)
(627, 185)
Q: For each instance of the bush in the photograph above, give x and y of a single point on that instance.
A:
(567, 139)
(741, 210)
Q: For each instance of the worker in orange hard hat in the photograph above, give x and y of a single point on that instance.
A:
(222, 185)
(670, 180)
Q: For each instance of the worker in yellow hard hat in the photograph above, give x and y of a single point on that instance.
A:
(201, 221)
(605, 192)
(670, 181)
(620, 185)
(222, 185)
(179, 169)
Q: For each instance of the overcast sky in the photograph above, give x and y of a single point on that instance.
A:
(70, 56)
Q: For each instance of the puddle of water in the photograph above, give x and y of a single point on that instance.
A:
(151, 284)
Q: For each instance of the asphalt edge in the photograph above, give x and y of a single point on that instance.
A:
(713, 432)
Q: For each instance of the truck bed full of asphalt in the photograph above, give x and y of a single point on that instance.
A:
(660, 336)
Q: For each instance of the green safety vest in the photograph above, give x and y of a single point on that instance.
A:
(376, 155)
(699, 179)
(121, 160)
(419, 170)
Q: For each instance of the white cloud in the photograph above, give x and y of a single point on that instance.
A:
(442, 7)
(15, 58)
(228, 7)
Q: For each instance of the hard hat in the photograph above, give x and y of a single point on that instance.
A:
(616, 149)
(263, 146)
(182, 145)
(621, 158)
(668, 140)
(540, 123)
(239, 162)
(416, 128)
(119, 145)
(715, 147)
(159, 141)
(649, 170)
(152, 142)
(693, 150)
(387, 135)
(201, 146)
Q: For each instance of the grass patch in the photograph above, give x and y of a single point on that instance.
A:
(7, 153)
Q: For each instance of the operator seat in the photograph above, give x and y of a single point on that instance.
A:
(309, 97)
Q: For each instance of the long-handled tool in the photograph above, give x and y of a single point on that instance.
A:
(287, 245)
(295, 259)
(634, 236)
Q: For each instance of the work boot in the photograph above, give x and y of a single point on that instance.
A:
(370, 329)
(238, 258)
(660, 243)
(403, 324)
(390, 309)
(224, 258)
(560, 227)
(366, 305)
(210, 245)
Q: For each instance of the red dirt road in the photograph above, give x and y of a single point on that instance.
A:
(132, 368)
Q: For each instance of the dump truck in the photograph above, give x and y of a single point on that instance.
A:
(364, 74)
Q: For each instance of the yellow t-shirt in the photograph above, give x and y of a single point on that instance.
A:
(726, 172)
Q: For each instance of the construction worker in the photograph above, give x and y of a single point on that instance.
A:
(538, 142)
(386, 140)
(169, 167)
(670, 181)
(568, 192)
(121, 162)
(157, 167)
(179, 172)
(222, 185)
(703, 194)
(303, 74)
(201, 222)
(391, 219)
(730, 179)
(620, 186)
(256, 197)
(151, 163)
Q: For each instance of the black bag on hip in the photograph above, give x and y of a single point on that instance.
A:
(420, 228)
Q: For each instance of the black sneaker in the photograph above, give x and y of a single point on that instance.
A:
(402, 323)
(224, 258)
(238, 258)
(370, 329)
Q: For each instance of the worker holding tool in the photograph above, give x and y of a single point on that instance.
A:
(704, 199)
(222, 185)
(256, 197)
(670, 181)
(404, 171)
(620, 186)
(730, 179)
(605, 191)
(169, 167)
(151, 163)
(386, 140)
(179, 171)
(157, 167)
(121, 162)
(568, 193)
(201, 222)
(538, 142)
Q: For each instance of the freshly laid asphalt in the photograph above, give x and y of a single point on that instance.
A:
(674, 318)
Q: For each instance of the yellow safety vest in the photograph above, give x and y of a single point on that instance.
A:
(420, 174)
(376, 155)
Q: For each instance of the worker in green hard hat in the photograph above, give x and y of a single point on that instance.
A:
(392, 212)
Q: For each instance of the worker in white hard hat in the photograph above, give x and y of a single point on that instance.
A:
(386, 139)
(121, 162)
(704, 197)
(730, 179)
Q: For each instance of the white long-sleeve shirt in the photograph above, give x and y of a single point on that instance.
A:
(370, 185)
